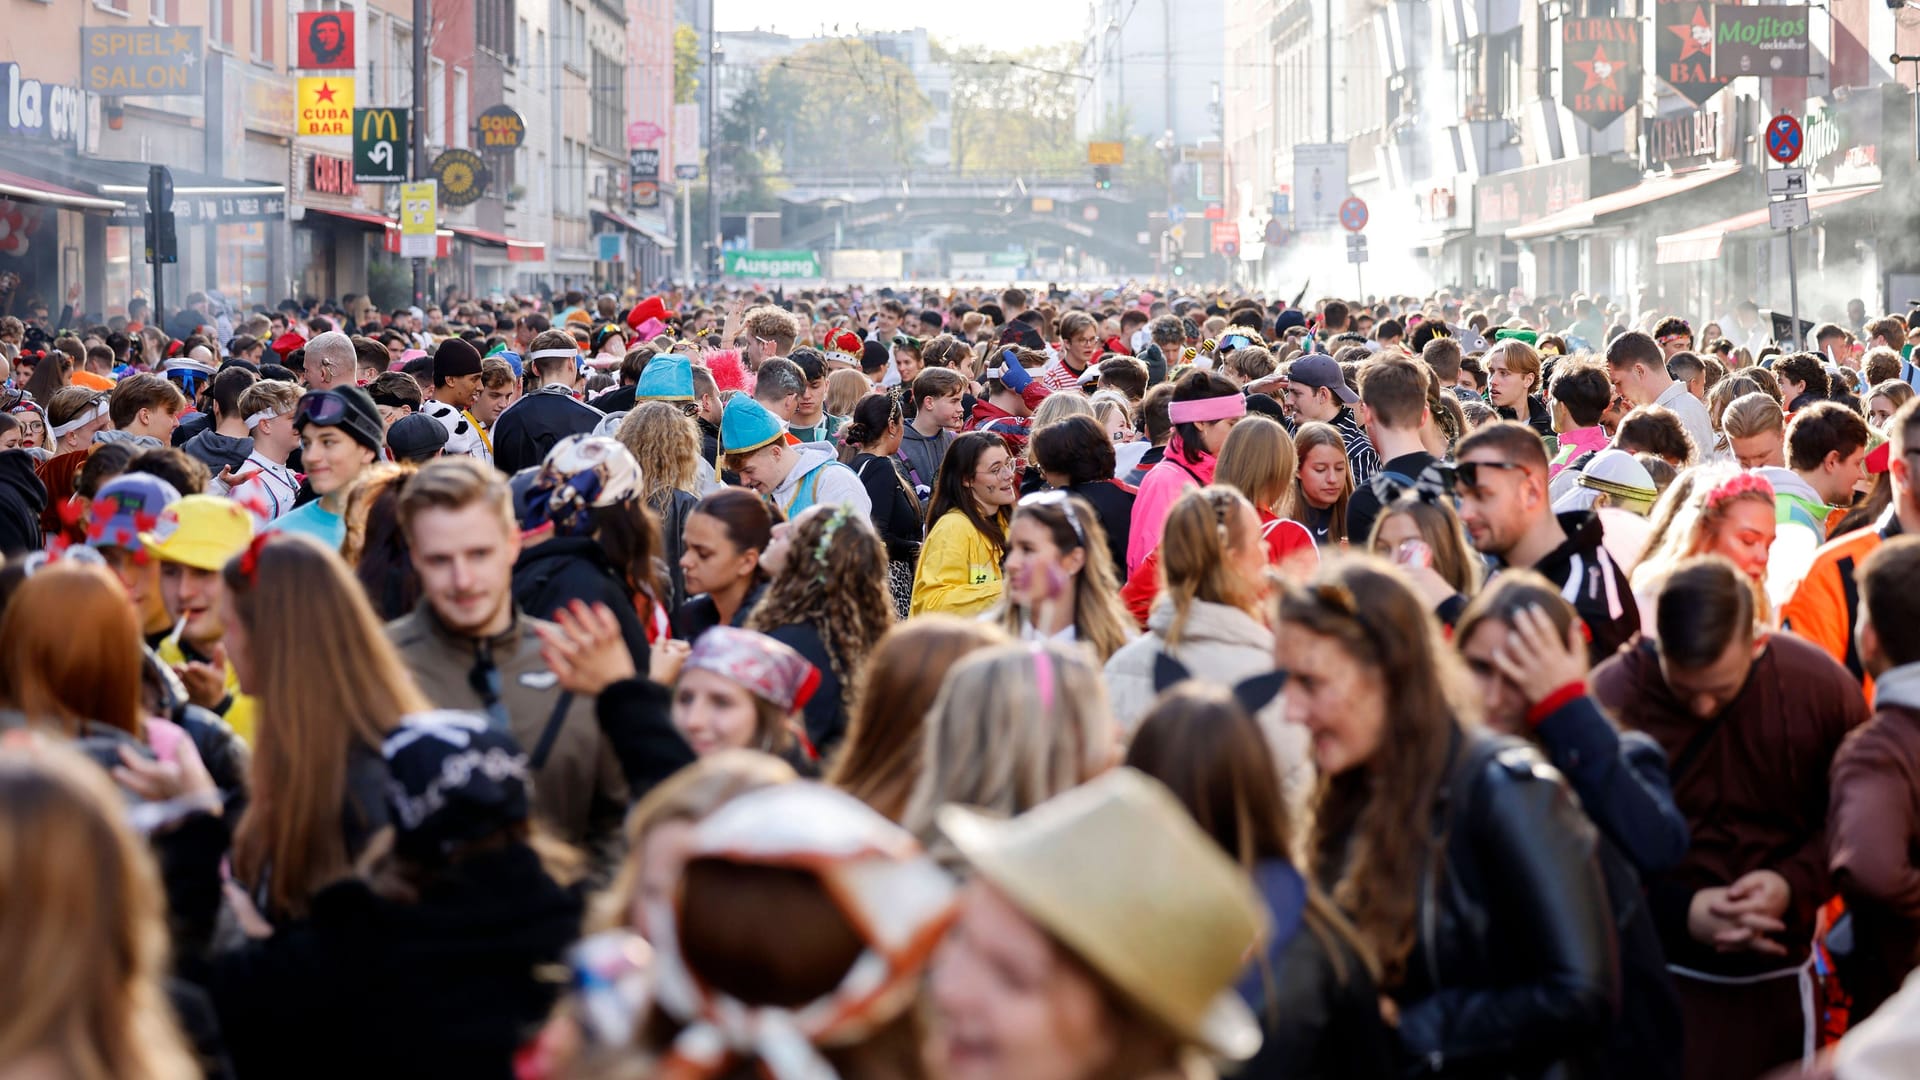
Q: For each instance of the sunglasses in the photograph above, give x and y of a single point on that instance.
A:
(322, 407)
(1058, 497)
(1466, 474)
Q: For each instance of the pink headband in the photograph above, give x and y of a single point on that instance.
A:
(1043, 675)
(1746, 483)
(1205, 409)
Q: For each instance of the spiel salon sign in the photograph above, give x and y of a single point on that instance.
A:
(39, 110)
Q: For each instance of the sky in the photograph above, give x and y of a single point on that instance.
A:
(976, 22)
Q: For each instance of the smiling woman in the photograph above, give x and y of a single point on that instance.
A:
(960, 564)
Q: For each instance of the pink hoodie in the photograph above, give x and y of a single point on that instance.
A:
(1159, 490)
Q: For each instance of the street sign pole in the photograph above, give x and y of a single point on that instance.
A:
(422, 21)
(1793, 293)
(1784, 140)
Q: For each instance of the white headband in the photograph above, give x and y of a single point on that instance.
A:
(545, 354)
(262, 416)
(87, 416)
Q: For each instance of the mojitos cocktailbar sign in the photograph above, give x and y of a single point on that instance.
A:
(1769, 41)
(1600, 72)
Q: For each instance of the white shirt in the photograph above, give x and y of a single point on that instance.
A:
(1693, 416)
(269, 494)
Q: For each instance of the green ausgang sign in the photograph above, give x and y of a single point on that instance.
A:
(1769, 41)
(770, 264)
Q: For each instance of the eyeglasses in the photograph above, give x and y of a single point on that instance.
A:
(322, 407)
(1061, 498)
(1001, 469)
(1466, 474)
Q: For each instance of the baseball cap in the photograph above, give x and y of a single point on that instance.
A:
(126, 506)
(1319, 369)
(416, 437)
(201, 531)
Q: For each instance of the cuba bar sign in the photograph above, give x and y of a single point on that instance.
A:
(1600, 72)
(151, 60)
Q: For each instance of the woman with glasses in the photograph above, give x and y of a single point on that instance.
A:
(959, 569)
(1461, 858)
(341, 434)
(1060, 583)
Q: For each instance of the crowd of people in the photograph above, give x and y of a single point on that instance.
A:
(1018, 685)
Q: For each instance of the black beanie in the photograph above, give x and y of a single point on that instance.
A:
(362, 419)
(455, 357)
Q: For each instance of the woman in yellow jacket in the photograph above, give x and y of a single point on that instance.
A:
(959, 568)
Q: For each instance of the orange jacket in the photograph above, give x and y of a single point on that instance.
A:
(1827, 601)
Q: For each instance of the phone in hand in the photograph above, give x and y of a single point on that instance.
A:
(1414, 553)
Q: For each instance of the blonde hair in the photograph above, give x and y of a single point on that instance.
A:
(1058, 407)
(276, 394)
(1521, 358)
(666, 443)
(1752, 414)
(845, 388)
(1684, 525)
(1200, 530)
(688, 795)
(82, 926)
(1012, 727)
(1258, 461)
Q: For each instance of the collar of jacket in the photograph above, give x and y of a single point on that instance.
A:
(503, 643)
(1898, 688)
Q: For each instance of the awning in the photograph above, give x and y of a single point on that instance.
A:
(15, 186)
(376, 221)
(517, 250)
(119, 188)
(1585, 215)
(1703, 244)
(620, 220)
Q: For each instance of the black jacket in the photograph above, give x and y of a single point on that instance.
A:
(370, 987)
(23, 498)
(618, 399)
(529, 428)
(699, 615)
(826, 710)
(1112, 501)
(1318, 1008)
(672, 506)
(1600, 594)
(553, 573)
(895, 517)
(1514, 971)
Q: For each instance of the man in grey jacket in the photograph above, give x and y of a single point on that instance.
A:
(471, 648)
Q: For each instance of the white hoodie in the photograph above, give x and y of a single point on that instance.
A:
(837, 483)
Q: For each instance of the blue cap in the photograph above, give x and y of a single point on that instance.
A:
(668, 377)
(127, 506)
(746, 425)
(513, 361)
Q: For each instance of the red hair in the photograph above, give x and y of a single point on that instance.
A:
(70, 649)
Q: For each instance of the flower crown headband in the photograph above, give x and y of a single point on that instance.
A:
(1744, 483)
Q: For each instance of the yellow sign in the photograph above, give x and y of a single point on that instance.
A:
(1042, 205)
(419, 208)
(1106, 153)
(326, 105)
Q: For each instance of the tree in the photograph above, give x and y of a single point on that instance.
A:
(840, 104)
(686, 64)
(1015, 112)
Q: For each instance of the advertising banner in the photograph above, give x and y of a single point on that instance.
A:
(419, 220)
(1600, 69)
(1319, 185)
(325, 41)
(1769, 41)
(1683, 49)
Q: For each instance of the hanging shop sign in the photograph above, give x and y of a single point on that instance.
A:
(326, 105)
(462, 175)
(1683, 49)
(502, 129)
(1600, 75)
(325, 40)
(643, 175)
(380, 145)
(152, 60)
(1770, 41)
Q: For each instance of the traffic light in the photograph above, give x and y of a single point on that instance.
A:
(1179, 270)
(1103, 177)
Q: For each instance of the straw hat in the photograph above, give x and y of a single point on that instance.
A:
(1117, 871)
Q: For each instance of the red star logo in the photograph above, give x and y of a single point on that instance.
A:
(1696, 37)
(1600, 70)
(325, 93)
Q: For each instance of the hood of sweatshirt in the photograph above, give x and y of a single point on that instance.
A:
(810, 457)
(138, 442)
(219, 451)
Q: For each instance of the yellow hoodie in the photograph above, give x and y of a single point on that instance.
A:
(239, 715)
(959, 571)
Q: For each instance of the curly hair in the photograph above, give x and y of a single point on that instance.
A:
(836, 579)
(666, 443)
(375, 547)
